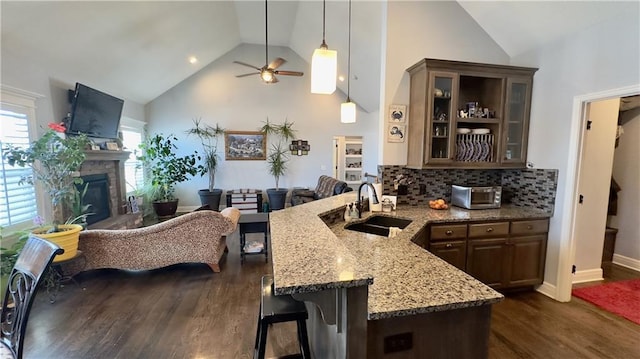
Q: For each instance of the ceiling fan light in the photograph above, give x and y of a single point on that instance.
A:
(324, 70)
(348, 112)
(267, 76)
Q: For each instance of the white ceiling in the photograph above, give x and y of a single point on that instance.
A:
(139, 49)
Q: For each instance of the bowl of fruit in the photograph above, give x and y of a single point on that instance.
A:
(438, 204)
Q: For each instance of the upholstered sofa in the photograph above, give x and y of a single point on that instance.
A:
(326, 187)
(196, 237)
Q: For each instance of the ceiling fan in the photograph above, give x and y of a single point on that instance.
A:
(269, 70)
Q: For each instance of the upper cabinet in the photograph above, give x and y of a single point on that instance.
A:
(468, 115)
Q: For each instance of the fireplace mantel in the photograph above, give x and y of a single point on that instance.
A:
(106, 155)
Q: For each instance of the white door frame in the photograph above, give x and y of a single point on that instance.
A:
(576, 142)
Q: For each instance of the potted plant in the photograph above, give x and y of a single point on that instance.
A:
(277, 159)
(166, 169)
(55, 160)
(208, 136)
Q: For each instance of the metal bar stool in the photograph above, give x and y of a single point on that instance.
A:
(280, 309)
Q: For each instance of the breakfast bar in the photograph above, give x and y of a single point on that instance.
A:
(397, 295)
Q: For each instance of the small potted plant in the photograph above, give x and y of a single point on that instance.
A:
(208, 136)
(55, 160)
(166, 169)
(278, 158)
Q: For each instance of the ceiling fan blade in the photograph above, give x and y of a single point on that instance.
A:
(276, 63)
(245, 75)
(289, 73)
(247, 65)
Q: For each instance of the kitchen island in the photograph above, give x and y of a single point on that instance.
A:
(370, 296)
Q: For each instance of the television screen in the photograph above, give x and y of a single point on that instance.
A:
(94, 113)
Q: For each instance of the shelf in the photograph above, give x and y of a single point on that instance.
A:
(478, 120)
(353, 168)
(352, 156)
(352, 182)
(445, 137)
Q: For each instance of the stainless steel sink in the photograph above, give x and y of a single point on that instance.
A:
(378, 225)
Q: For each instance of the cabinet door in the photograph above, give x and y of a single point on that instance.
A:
(441, 116)
(516, 123)
(526, 264)
(453, 252)
(486, 260)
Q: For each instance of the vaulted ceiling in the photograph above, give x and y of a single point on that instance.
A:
(139, 49)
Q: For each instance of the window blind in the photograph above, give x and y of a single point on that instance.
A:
(17, 201)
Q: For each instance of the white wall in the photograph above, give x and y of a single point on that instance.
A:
(430, 29)
(626, 171)
(242, 104)
(603, 57)
(29, 75)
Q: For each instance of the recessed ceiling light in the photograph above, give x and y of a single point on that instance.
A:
(341, 78)
(193, 59)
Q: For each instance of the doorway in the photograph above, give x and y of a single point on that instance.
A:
(577, 161)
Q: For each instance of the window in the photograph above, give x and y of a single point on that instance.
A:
(18, 202)
(132, 136)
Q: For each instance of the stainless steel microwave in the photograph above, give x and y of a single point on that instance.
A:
(474, 197)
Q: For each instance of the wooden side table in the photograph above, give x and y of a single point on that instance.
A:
(254, 223)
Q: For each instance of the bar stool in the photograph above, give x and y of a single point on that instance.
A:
(280, 309)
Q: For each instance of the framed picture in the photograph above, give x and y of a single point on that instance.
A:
(245, 145)
(396, 133)
(397, 113)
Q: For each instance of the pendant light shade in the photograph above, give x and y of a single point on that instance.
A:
(348, 112)
(348, 109)
(324, 68)
(324, 65)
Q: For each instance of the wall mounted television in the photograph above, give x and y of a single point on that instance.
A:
(94, 113)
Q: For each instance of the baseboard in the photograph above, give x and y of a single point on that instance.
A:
(186, 209)
(549, 290)
(590, 275)
(626, 262)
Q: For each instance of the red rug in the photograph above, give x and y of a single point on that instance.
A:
(621, 298)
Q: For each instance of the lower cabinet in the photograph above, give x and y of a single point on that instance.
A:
(500, 254)
(454, 252)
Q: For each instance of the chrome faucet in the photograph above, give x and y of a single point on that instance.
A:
(359, 204)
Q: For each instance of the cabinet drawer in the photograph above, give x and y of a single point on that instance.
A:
(488, 229)
(448, 231)
(528, 227)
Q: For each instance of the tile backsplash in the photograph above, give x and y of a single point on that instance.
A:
(521, 187)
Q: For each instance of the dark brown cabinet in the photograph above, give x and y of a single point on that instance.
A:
(468, 115)
(503, 255)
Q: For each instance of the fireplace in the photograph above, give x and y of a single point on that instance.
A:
(104, 170)
(97, 196)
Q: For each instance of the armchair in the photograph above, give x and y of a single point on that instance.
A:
(326, 187)
(196, 237)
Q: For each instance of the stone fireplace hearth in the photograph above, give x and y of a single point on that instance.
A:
(111, 163)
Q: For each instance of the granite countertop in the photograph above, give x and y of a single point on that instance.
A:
(403, 278)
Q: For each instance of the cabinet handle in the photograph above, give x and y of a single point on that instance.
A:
(449, 232)
(529, 227)
(448, 245)
(490, 229)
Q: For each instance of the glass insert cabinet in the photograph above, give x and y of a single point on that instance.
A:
(468, 115)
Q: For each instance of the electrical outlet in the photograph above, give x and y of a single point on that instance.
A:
(398, 343)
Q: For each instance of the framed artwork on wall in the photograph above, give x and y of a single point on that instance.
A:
(396, 133)
(245, 145)
(397, 113)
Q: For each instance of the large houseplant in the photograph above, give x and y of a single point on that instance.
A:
(55, 160)
(165, 170)
(278, 158)
(208, 136)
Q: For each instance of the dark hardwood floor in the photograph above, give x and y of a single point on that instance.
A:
(186, 311)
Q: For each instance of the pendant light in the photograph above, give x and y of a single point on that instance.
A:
(348, 108)
(324, 65)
